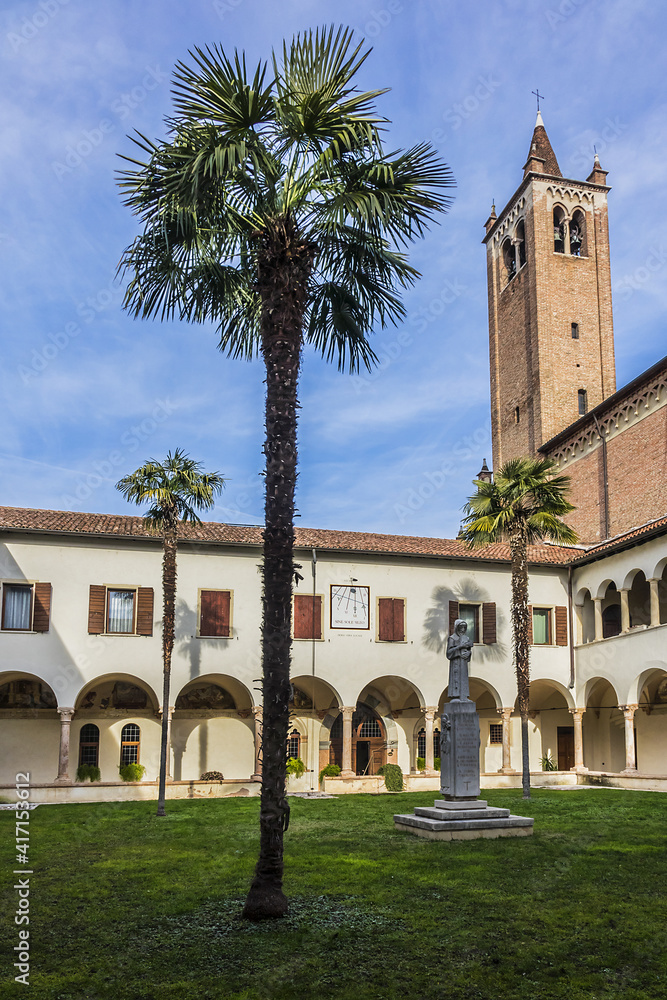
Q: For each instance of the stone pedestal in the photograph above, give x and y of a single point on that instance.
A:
(461, 815)
(459, 751)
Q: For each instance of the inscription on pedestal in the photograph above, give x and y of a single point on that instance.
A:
(459, 756)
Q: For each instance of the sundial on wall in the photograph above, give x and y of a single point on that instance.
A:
(350, 606)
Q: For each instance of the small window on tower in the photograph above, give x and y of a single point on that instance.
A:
(575, 331)
(517, 415)
(582, 397)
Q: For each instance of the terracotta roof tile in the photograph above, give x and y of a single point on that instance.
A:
(73, 522)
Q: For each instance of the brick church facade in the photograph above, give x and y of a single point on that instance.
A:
(551, 342)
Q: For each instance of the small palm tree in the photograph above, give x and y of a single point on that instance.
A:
(175, 490)
(274, 211)
(524, 504)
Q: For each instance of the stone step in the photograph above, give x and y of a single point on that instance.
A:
(448, 815)
(438, 825)
(460, 804)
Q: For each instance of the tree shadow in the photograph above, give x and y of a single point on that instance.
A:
(436, 620)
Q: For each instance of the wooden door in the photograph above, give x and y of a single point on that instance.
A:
(565, 748)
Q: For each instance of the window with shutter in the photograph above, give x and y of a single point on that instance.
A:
(391, 619)
(469, 613)
(453, 615)
(120, 610)
(215, 613)
(307, 616)
(488, 622)
(42, 612)
(561, 626)
(541, 627)
(17, 607)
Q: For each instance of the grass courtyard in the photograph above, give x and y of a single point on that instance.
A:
(127, 906)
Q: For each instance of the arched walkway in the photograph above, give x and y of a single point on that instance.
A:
(30, 726)
(213, 729)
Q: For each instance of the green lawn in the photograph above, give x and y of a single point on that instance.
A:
(127, 906)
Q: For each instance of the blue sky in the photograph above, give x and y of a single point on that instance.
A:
(89, 393)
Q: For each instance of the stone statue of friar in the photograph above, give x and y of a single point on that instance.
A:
(459, 650)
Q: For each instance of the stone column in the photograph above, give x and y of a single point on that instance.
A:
(348, 712)
(579, 624)
(168, 775)
(506, 715)
(629, 716)
(429, 716)
(625, 611)
(257, 716)
(655, 602)
(598, 617)
(63, 755)
(577, 718)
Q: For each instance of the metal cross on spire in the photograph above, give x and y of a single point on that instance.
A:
(540, 97)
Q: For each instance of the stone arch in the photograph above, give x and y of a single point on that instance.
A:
(520, 240)
(551, 728)
(601, 591)
(639, 600)
(560, 228)
(602, 725)
(578, 241)
(507, 261)
(213, 728)
(370, 738)
(30, 726)
(585, 612)
(313, 710)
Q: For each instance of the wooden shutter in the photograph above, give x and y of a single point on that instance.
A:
(561, 626)
(453, 615)
(96, 609)
(391, 619)
(530, 624)
(145, 611)
(214, 609)
(307, 616)
(399, 619)
(489, 622)
(42, 607)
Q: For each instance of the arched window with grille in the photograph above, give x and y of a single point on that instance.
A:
(130, 741)
(294, 744)
(89, 745)
(421, 743)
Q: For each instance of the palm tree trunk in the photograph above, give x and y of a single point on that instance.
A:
(282, 281)
(169, 542)
(519, 613)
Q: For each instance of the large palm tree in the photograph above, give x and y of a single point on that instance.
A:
(523, 504)
(175, 489)
(274, 211)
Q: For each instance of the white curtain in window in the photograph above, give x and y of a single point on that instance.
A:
(541, 626)
(17, 607)
(121, 611)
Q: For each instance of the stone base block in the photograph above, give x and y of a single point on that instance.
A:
(494, 834)
(463, 820)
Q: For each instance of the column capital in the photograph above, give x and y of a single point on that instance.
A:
(430, 712)
(505, 713)
(576, 711)
(66, 714)
(170, 711)
(257, 711)
(348, 710)
(628, 710)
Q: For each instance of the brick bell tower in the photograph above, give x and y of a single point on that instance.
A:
(551, 337)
